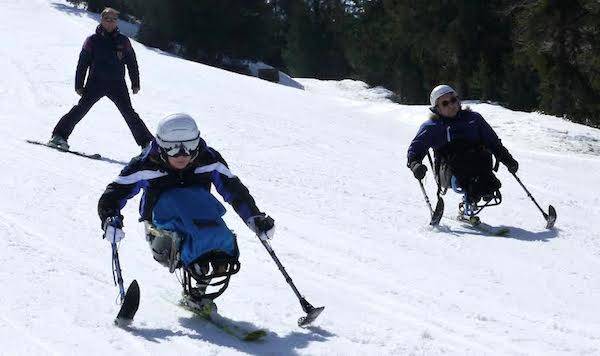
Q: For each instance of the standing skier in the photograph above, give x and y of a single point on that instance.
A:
(105, 53)
(184, 225)
(463, 144)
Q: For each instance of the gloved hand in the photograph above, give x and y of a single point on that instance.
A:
(79, 91)
(511, 164)
(262, 225)
(418, 169)
(135, 90)
(113, 231)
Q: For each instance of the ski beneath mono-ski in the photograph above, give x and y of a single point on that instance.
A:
(226, 325)
(476, 224)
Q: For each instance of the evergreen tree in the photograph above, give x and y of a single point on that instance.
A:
(560, 40)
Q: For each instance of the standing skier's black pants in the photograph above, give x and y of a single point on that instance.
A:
(117, 92)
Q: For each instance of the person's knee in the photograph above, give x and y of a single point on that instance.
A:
(164, 246)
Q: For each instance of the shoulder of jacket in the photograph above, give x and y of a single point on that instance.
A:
(142, 163)
(209, 156)
(432, 117)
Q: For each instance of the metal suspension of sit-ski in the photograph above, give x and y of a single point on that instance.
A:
(311, 312)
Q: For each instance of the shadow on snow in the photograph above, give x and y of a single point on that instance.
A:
(199, 329)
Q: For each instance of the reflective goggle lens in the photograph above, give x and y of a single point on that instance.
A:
(180, 147)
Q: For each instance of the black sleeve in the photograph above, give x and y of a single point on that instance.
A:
(114, 199)
(132, 65)
(85, 59)
(117, 193)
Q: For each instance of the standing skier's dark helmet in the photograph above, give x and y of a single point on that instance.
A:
(177, 135)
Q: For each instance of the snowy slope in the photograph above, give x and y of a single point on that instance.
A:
(352, 225)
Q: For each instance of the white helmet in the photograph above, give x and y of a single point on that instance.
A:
(439, 91)
(178, 134)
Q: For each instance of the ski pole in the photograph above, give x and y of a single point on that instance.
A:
(117, 277)
(426, 197)
(551, 216)
(438, 212)
(311, 312)
(130, 300)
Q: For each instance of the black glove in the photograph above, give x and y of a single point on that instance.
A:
(262, 224)
(507, 159)
(110, 218)
(114, 221)
(113, 229)
(418, 169)
(511, 164)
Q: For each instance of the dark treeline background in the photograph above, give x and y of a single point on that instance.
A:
(529, 54)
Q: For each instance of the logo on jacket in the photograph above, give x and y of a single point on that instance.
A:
(120, 52)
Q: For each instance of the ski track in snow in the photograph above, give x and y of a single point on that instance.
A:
(328, 164)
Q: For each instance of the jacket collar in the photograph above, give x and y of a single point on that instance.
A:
(102, 32)
(434, 115)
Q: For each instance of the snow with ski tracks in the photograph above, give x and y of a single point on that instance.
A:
(328, 164)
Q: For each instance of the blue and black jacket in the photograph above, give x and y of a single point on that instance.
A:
(150, 173)
(445, 136)
(106, 54)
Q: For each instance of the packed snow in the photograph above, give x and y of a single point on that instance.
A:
(329, 165)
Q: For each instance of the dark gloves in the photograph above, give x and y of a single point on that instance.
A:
(114, 221)
(511, 164)
(418, 169)
(507, 159)
(107, 215)
(262, 225)
(113, 229)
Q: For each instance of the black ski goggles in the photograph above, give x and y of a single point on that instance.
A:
(179, 148)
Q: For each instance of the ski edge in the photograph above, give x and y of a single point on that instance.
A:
(96, 156)
(232, 330)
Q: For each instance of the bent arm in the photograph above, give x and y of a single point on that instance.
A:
(84, 62)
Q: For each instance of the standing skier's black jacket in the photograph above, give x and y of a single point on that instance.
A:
(150, 173)
(106, 55)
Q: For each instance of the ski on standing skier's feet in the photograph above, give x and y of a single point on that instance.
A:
(77, 153)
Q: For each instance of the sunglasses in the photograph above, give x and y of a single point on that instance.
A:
(179, 148)
(109, 19)
(445, 103)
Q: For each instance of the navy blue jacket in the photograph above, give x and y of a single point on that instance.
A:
(150, 173)
(468, 127)
(106, 55)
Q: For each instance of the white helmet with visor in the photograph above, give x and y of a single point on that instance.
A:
(177, 134)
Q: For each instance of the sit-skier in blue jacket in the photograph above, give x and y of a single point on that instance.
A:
(462, 142)
(176, 172)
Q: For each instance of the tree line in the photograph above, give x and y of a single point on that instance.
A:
(526, 54)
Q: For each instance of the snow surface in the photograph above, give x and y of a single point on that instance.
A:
(352, 224)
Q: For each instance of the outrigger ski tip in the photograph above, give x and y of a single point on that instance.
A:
(311, 315)
(437, 213)
(551, 217)
(130, 305)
